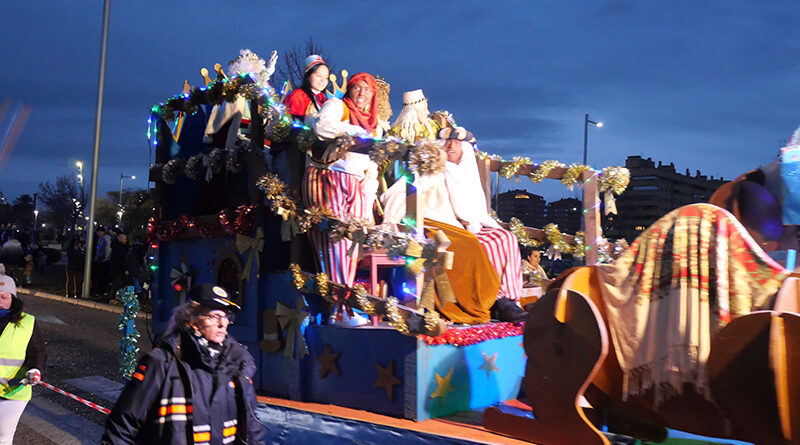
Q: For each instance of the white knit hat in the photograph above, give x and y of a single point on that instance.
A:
(7, 284)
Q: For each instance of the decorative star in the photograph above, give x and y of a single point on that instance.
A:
(386, 379)
(328, 362)
(488, 364)
(443, 386)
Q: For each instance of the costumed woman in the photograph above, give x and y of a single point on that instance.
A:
(309, 98)
(345, 183)
(22, 356)
(195, 387)
(467, 197)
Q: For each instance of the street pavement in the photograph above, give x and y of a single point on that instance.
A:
(83, 358)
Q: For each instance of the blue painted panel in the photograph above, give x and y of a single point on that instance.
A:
(471, 386)
(360, 349)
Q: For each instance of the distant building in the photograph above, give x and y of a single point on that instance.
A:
(652, 193)
(525, 206)
(566, 213)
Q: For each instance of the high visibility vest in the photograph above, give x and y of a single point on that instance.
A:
(13, 344)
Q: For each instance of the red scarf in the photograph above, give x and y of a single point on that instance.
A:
(369, 120)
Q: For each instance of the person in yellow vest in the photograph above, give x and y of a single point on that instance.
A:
(22, 355)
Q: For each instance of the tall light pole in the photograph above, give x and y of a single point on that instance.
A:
(35, 211)
(586, 122)
(98, 124)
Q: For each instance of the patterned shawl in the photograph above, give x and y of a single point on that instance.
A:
(682, 280)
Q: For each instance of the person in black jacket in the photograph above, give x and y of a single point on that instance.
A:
(195, 387)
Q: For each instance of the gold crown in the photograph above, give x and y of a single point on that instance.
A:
(336, 87)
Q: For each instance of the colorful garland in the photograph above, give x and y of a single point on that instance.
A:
(128, 348)
(241, 221)
(475, 334)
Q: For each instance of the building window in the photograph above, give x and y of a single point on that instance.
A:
(645, 187)
(228, 275)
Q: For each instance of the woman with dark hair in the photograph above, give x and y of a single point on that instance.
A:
(308, 99)
(195, 387)
(22, 355)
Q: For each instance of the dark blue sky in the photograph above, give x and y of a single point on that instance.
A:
(707, 85)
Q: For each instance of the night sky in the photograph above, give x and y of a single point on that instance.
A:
(710, 86)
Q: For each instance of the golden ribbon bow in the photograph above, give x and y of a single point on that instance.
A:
(292, 319)
(435, 276)
(255, 246)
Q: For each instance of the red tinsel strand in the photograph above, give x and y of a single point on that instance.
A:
(475, 334)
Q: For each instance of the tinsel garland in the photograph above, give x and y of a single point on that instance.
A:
(426, 158)
(573, 175)
(556, 239)
(357, 298)
(172, 169)
(387, 150)
(518, 229)
(233, 159)
(544, 169)
(475, 334)
(613, 179)
(380, 237)
(509, 170)
(194, 165)
(241, 221)
(128, 348)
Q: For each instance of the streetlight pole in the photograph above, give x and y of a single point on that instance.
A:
(586, 122)
(35, 212)
(98, 124)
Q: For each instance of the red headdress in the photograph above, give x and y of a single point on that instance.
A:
(368, 120)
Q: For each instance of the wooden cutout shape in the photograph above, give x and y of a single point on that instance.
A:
(562, 360)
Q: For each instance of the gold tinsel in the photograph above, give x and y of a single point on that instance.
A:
(280, 131)
(579, 249)
(360, 295)
(426, 158)
(573, 174)
(386, 150)
(312, 217)
(394, 316)
(322, 285)
(298, 277)
(518, 229)
(431, 321)
(509, 170)
(556, 238)
(305, 139)
(543, 170)
(614, 179)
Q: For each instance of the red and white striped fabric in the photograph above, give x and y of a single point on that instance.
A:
(503, 250)
(343, 194)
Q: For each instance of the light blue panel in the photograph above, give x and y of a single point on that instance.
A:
(473, 388)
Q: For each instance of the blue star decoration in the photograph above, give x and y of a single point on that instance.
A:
(488, 364)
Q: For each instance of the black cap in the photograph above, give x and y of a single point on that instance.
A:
(213, 297)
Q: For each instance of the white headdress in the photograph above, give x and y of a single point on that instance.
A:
(414, 113)
(466, 194)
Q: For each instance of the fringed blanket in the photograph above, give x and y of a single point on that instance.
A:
(682, 279)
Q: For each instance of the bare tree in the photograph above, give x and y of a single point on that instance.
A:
(291, 66)
(64, 201)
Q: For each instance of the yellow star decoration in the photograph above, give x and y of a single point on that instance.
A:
(488, 364)
(386, 379)
(443, 386)
(328, 362)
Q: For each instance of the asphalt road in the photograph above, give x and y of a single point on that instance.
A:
(83, 358)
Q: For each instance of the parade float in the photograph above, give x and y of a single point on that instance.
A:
(227, 163)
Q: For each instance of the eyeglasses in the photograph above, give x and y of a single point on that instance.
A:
(220, 317)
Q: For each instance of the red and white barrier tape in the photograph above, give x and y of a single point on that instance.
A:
(92, 405)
